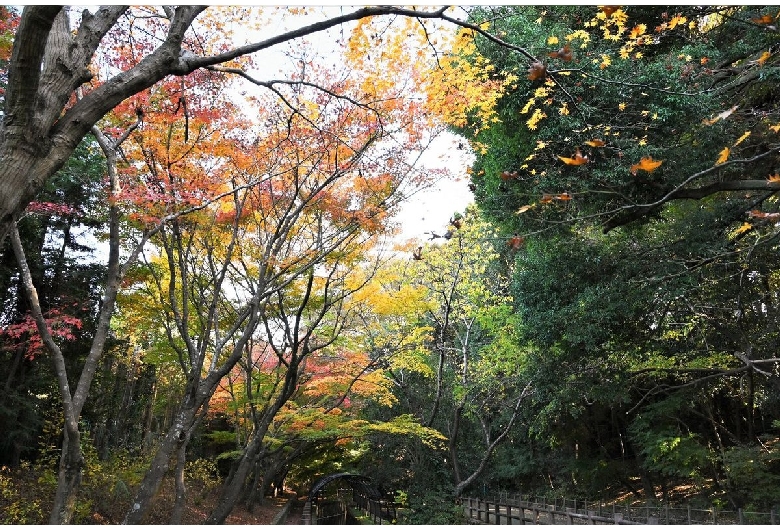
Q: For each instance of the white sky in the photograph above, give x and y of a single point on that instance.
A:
(428, 210)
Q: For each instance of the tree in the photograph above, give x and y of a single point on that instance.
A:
(57, 93)
(43, 122)
(636, 183)
(475, 357)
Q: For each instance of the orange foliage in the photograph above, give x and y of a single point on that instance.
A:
(646, 164)
(576, 160)
(563, 54)
(537, 71)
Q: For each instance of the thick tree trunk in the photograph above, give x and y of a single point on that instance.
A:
(69, 477)
(173, 441)
(181, 487)
(232, 489)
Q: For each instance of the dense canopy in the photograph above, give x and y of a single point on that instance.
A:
(206, 300)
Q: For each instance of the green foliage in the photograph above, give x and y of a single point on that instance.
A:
(753, 474)
(432, 508)
(18, 505)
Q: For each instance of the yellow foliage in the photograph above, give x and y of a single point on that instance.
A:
(581, 35)
(536, 117)
(742, 138)
(724, 155)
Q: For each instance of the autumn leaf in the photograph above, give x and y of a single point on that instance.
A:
(564, 54)
(724, 155)
(508, 175)
(774, 178)
(638, 31)
(744, 228)
(525, 208)
(758, 214)
(775, 128)
(565, 196)
(515, 242)
(742, 138)
(537, 70)
(722, 116)
(764, 19)
(596, 143)
(576, 160)
(764, 56)
(677, 19)
(646, 164)
(608, 10)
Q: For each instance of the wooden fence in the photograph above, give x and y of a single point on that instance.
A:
(535, 510)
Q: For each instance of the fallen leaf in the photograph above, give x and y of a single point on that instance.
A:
(765, 19)
(758, 214)
(646, 164)
(537, 70)
(515, 242)
(722, 116)
(564, 54)
(724, 155)
(576, 160)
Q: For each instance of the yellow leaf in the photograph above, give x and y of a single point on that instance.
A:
(774, 178)
(646, 164)
(741, 138)
(764, 56)
(596, 143)
(637, 31)
(552, 40)
(744, 228)
(775, 128)
(677, 19)
(724, 155)
(622, 106)
(525, 208)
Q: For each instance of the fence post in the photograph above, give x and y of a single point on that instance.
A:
(714, 515)
(689, 514)
(739, 512)
(772, 516)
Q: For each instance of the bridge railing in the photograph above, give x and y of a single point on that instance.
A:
(540, 510)
(379, 509)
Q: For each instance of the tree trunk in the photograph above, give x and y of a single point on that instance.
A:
(69, 477)
(173, 441)
(181, 487)
(233, 487)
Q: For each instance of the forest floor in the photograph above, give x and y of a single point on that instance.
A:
(197, 511)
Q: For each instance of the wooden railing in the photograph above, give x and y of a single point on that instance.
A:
(528, 510)
(379, 509)
(493, 512)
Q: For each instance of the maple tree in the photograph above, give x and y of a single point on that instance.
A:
(114, 61)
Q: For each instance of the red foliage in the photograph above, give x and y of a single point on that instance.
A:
(25, 333)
